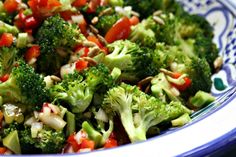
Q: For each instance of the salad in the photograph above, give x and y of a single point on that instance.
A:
(81, 75)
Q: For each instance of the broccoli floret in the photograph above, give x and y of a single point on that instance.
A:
(78, 89)
(100, 135)
(6, 28)
(7, 59)
(147, 7)
(162, 89)
(201, 99)
(47, 141)
(174, 59)
(142, 35)
(191, 33)
(106, 21)
(24, 86)
(130, 59)
(139, 111)
(180, 121)
(56, 38)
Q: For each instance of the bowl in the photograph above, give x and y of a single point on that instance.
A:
(213, 128)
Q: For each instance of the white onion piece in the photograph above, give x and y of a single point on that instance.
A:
(79, 19)
(49, 82)
(55, 109)
(36, 114)
(46, 110)
(67, 69)
(101, 115)
(54, 121)
(175, 91)
(35, 128)
(79, 136)
(30, 121)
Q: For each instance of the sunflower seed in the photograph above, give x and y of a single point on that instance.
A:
(94, 51)
(135, 13)
(91, 61)
(102, 39)
(106, 12)
(94, 20)
(55, 78)
(157, 13)
(89, 44)
(93, 29)
(218, 63)
(145, 81)
(158, 20)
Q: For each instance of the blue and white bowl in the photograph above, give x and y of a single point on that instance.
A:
(214, 127)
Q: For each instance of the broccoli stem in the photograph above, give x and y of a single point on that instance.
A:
(135, 134)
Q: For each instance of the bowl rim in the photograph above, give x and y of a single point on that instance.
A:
(205, 149)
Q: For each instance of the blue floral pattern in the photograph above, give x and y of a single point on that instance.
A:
(224, 23)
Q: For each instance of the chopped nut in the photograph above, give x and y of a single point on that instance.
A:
(94, 20)
(135, 13)
(91, 61)
(106, 12)
(89, 44)
(55, 78)
(102, 39)
(158, 20)
(218, 63)
(93, 29)
(145, 81)
(157, 13)
(93, 52)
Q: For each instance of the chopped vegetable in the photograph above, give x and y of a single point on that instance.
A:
(84, 75)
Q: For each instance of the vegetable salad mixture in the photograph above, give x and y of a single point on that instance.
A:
(81, 75)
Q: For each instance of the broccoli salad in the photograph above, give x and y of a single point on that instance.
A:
(82, 75)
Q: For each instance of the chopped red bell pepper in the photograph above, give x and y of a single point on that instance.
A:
(120, 30)
(6, 39)
(32, 52)
(81, 65)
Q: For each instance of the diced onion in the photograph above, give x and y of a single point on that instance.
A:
(79, 19)
(55, 109)
(35, 128)
(54, 121)
(48, 81)
(67, 69)
(101, 115)
(79, 136)
(30, 121)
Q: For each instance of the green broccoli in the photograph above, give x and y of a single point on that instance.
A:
(174, 59)
(139, 111)
(130, 59)
(100, 135)
(106, 21)
(8, 57)
(56, 38)
(147, 7)
(161, 88)
(191, 33)
(142, 35)
(24, 86)
(201, 99)
(47, 141)
(78, 89)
